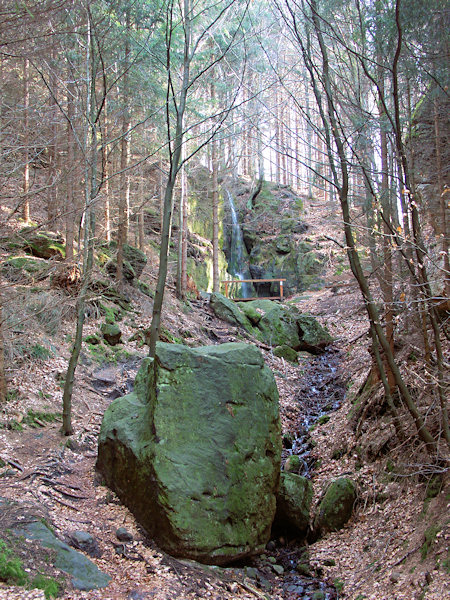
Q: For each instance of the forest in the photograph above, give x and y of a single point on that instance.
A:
(203, 202)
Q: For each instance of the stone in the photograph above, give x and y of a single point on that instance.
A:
(293, 464)
(25, 268)
(85, 575)
(313, 337)
(123, 535)
(85, 542)
(128, 271)
(226, 309)
(277, 326)
(336, 507)
(43, 244)
(303, 568)
(136, 258)
(250, 312)
(287, 353)
(293, 503)
(180, 454)
(252, 572)
(278, 569)
(283, 244)
(282, 326)
(395, 577)
(111, 333)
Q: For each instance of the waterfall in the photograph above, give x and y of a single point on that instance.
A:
(237, 265)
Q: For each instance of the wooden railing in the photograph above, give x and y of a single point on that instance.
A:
(227, 283)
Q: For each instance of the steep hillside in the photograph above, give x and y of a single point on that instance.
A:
(395, 543)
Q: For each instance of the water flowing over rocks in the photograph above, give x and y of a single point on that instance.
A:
(180, 454)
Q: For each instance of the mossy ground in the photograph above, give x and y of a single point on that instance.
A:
(25, 563)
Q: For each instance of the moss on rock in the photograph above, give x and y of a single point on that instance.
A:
(179, 452)
(293, 503)
(336, 506)
(287, 353)
(111, 333)
(227, 310)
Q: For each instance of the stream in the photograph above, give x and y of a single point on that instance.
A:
(321, 392)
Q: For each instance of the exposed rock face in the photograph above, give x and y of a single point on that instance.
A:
(24, 521)
(181, 454)
(43, 244)
(299, 263)
(111, 333)
(293, 503)
(274, 324)
(227, 310)
(336, 507)
(134, 260)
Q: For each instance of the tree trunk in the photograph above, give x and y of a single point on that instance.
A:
(442, 202)
(387, 285)
(106, 173)
(91, 191)
(53, 150)
(124, 200)
(182, 238)
(140, 216)
(175, 156)
(26, 142)
(71, 208)
(3, 384)
(215, 216)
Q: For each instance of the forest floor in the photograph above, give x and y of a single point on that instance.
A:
(395, 546)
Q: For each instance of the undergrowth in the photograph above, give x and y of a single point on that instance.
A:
(12, 572)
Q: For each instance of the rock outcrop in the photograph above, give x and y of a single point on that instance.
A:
(293, 504)
(43, 244)
(194, 451)
(275, 324)
(336, 506)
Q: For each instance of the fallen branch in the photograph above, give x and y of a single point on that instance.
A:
(408, 554)
(56, 499)
(252, 590)
(69, 494)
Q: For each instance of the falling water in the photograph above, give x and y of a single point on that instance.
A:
(237, 265)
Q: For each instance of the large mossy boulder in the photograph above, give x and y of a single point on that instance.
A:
(293, 504)
(43, 244)
(282, 325)
(226, 309)
(25, 268)
(134, 260)
(111, 333)
(336, 506)
(181, 454)
(127, 270)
